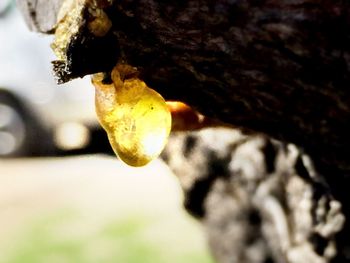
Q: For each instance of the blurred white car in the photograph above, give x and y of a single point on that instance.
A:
(36, 115)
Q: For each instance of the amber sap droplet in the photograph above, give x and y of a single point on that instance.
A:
(135, 117)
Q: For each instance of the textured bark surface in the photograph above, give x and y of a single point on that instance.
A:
(260, 200)
(280, 68)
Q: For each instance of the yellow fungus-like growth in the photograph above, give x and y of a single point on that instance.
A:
(135, 117)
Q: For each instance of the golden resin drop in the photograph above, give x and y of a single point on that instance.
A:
(135, 117)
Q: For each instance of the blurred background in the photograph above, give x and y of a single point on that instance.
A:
(63, 196)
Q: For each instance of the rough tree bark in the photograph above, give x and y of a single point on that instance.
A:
(278, 68)
(260, 200)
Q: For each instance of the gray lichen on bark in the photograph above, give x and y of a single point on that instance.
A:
(259, 199)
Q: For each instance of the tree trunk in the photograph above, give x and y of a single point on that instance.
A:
(278, 68)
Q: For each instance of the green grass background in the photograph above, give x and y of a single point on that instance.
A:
(139, 238)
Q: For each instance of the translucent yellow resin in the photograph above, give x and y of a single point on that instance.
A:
(135, 117)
